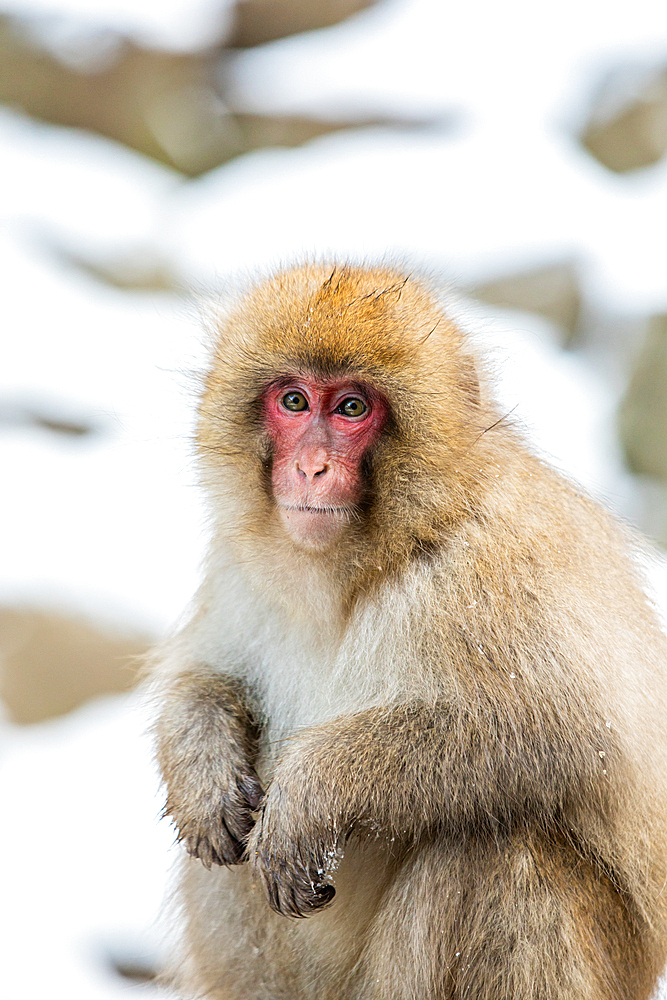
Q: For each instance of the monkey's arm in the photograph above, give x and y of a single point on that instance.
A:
(414, 769)
(206, 746)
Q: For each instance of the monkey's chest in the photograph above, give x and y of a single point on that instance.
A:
(304, 682)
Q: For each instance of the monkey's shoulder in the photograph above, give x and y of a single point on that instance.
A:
(531, 521)
(539, 563)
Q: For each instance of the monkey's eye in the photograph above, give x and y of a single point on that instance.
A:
(295, 401)
(352, 407)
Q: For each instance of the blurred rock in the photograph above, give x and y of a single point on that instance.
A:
(552, 291)
(643, 413)
(50, 663)
(135, 971)
(628, 124)
(650, 510)
(142, 271)
(59, 419)
(259, 21)
(168, 106)
(121, 98)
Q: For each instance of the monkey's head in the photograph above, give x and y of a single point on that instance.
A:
(341, 409)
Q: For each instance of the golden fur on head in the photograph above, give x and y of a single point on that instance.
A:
(386, 330)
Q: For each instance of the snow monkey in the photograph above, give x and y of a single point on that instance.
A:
(421, 699)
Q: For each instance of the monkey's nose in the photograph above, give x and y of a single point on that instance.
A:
(311, 468)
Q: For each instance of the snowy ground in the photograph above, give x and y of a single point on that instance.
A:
(109, 524)
(84, 865)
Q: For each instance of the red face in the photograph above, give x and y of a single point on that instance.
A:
(320, 433)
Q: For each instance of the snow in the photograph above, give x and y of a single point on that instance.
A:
(79, 191)
(85, 521)
(83, 861)
(474, 202)
(534, 376)
(179, 25)
(518, 60)
(110, 524)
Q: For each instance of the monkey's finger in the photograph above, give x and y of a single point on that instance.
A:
(275, 894)
(237, 818)
(298, 896)
(250, 788)
(216, 847)
(201, 848)
(279, 886)
(287, 896)
(322, 896)
(230, 848)
(311, 896)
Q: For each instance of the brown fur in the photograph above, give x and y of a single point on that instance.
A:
(458, 711)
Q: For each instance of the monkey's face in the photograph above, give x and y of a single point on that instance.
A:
(320, 431)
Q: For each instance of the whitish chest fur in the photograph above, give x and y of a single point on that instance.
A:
(306, 664)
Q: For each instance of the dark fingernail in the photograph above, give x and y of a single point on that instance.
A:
(233, 848)
(323, 895)
(251, 790)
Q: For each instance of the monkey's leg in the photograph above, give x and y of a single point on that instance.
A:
(514, 919)
(234, 947)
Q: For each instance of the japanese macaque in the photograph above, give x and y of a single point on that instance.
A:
(421, 699)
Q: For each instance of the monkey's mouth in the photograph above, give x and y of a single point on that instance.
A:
(314, 526)
(344, 512)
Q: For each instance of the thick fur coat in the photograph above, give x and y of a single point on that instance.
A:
(456, 715)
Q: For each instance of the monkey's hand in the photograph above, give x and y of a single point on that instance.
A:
(206, 746)
(212, 809)
(290, 849)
